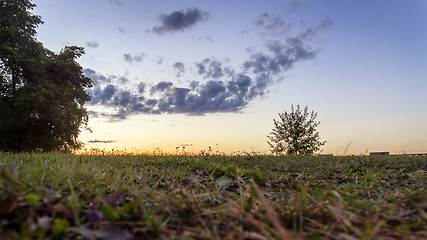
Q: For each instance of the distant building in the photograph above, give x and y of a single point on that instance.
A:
(380, 153)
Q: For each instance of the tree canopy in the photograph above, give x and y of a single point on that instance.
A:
(295, 133)
(42, 93)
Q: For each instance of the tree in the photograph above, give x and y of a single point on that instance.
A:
(18, 46)
(295, 133)
(42, 94)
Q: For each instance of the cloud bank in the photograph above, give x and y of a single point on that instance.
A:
(180, 20)
(218, 88)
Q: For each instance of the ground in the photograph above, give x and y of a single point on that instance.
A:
(127, 196)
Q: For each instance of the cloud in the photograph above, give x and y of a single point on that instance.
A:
(101, 141)
(310, 33)
(272, 24)
(159, 60)
(180, 20)
(97, 79)
(107, 94)
(282, 58)
(227, 94)
(294, 5)
(105, 87)
(122, 30)
(116, 2)
(164, 97)
(210, 68)
(136, 58)
(186, 145)
(141, 88)
(220, 88)
(92, 44)
(179, 67)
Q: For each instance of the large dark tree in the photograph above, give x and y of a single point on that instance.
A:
(295, 133)
(42, 94)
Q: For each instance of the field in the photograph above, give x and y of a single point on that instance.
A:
(125, 196)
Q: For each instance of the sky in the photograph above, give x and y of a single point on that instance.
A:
(194, 75)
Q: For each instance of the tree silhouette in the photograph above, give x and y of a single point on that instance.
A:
(295, 133)
(42, 94)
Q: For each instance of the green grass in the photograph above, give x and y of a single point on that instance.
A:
(57, 196)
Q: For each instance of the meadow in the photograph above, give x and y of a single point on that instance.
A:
(208, 196)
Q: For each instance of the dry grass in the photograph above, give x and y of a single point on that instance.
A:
(128, 196)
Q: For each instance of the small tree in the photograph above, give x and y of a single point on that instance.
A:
(295, 133)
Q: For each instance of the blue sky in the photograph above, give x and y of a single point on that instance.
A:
(169, 74)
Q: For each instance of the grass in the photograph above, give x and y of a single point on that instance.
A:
(125, 196)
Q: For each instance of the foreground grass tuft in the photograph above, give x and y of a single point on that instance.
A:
(123, 196)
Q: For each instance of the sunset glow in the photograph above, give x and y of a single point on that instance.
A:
(196, 75)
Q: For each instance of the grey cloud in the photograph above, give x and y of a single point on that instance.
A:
(180, 20)
(96, 78)
(240, 84)
(210, 68)
(283, 57)
(92, 44)
(294, 5)
(161, 87)
(179, 66)
(136, 58)
(123, 80)
(222, 88)
(120, 115)
(194, 85)
(186, 145)
(128, 58)
(107, 94)
(310, 33)
(89, 72)
(212, 89)
(103, 95)
(141, 87)
(159, 60)
(122, 98)
(324, 24)
(101, 141)
(272, 24)
(199, 99)
(94, 114)
(151, 102)
(117, 2)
